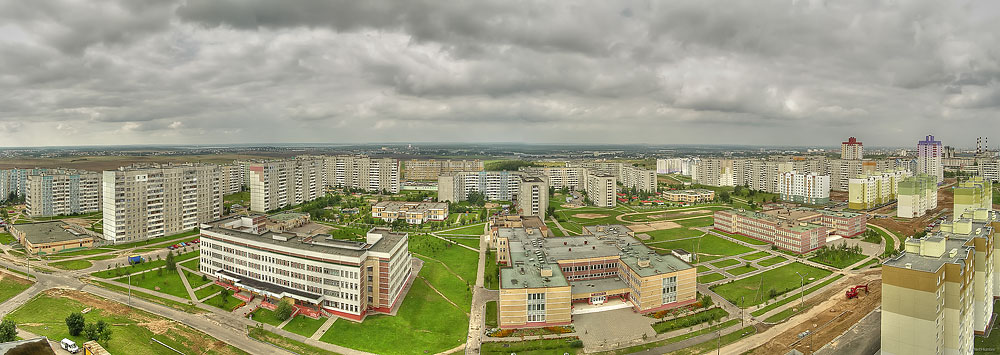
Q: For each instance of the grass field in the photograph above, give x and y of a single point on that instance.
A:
(756, 289)
(154, 241)
(472, 229)
(149, 265)
(682, 337)
(208, 291)
(149, 297)
(72, 264)
(283, 342)
(101, 257)
(993, 341)
(7, 238)
(460, 260)
(265, 316)
(839, 263)
(794, 297)
(662, 235)
(772, 260)
(11, 285)
(425, 322)
(192, 264)
(304, 326)
(690, 320)
(228, 304)
(742, 238)
(81, 252)
(239, 197)
(131, 329)
(737, 271)
(709, 278)
(755, 256)
(169, 283)
(705, 245)
(702, 268)
(725, 263)
(531, 347)
(491, 314)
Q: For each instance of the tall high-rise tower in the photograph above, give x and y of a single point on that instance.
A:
(929, 153)
(851, 149)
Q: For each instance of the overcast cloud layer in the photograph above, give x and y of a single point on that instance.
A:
(660, 72)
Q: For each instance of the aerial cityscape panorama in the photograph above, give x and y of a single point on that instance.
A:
(496, 177)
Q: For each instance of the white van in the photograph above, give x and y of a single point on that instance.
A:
(69, 345)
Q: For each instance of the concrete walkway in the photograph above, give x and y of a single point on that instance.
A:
(477, 316)
(323, 328)
(187, 285)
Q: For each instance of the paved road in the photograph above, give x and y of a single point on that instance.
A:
(477, 317)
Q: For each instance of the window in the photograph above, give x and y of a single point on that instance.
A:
(669, 289)
(536, 307)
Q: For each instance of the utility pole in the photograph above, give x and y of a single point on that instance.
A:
(130, 290)
(801, 291)
(742, 312)
(719, 343)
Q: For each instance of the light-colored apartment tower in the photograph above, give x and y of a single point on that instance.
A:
(869, 191)
(143, 202)
(852, 149)
(279, 183)
(559, 177)
(231, 179)
(939, 293)
(715, 172)
(15, 181)
(628, 175)
(675, 165)
(989, 169)
(917, 196)
(601, 189)
(361, 172)
(63, 192)
(972, 194)
(804, 188)
(430, 169)
(929, 153)
(528, 192)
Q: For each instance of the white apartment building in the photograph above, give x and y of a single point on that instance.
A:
(15, 181)
(411, 212)
(142, 202)
(683, 166)
(511, 186)
(63, 192)
(560, 177)
(370, 174)
(990, 169)
(231, 179)
(430, 169)
(929, 152)
(279, 183)
(601, 189)
(852, 149)
(629, 175)
(806, 188)
(348, 279)
(715, 172)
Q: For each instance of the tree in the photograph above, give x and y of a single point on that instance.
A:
(8, 331)
(225, 295)
(75, 323)
(283, 311)
(99, 332)
(171, 264)
(477, 198)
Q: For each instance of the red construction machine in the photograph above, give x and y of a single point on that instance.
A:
(853, 291)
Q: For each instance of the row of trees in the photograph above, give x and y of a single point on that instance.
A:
(77, 325)
(837, 253)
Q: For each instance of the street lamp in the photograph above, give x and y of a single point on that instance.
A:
(130, 289)
(801, 291)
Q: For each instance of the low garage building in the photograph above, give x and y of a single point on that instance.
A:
(51, 237)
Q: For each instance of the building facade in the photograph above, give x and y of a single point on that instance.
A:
(852, 149)
(929, 152)
(278, 183)
(917, 196)
(798, 230)
(141, 202)
(689, 196)
(231, 179)
(63, 192)
(871, 191)
(542, 278)
(804, 188)
(601, 189)
(715, 172)
(361, 172)
(348, 279)
(527, 191)
(51, 237)
(430, 169)
(628, 175)
(411, 212)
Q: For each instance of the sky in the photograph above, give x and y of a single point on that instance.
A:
(105, 72)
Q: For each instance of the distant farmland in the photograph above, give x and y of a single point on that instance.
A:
(99, 163)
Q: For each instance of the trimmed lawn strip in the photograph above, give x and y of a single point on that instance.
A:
(772, 261)
(284, 343)
(11, 286)
(741, 238)
(151, 298)
(727, 339)
(169, 283)
(208, 291)
(491, 274)
(195, 280)
(702, 268)
(682, 337)
(101, 257)
(769, 307)
(709, 315)
(149, 242)
(709, 278)
(304, 326)
(265, 316)
(491, 314)
(755, 256)
(192, 264)
(737, 271)
(842, 263)
(866, 264)
(226, 304)
(473, 229)
(755, 289)
(533, 347)
(725, 263)
(72, 264)
(148, 265)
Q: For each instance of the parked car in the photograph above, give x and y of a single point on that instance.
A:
(69, 345)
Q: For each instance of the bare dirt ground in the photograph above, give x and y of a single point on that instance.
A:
(647, 227)
(907, 227)
(99, 163)
(4, 275)
(589, 215)
(831, 315)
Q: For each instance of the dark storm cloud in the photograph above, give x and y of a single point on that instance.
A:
(758, 72)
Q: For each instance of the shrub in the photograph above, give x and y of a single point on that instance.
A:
(75, 323)
(283, 311)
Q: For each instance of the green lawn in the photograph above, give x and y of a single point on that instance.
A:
(265, 316)
(46, 315)
(727, 339)
(472, 229)
(706, 221)
(304, 326)
(242, 196)
(425, 322)
(72, 264)
(682, 337)
(839, 263)
(153, 241)
(195, 280)
(661, 235)
(532, 347)
(445, 282)
(772, 260)
(148, 265)
(491, 274)
(208, 291)
(742, 238)
(11, 285)
(283, 342)
(149, 297)
(795, 296)
(7, 238)
(169, 283)
(492, 314)
(756, 289)
(101, 257)
(460, 260)
(866, 264)
(690, 320)
(79, 252)
(755, 256)
(466, 241)
(227, 304)
(707, 244)
(993, 341)
(192, 264)
(555, 230)
(702, 268)
(725, 263)
(737, 271)
(709, 278)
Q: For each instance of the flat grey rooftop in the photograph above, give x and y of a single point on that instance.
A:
(50, 232)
